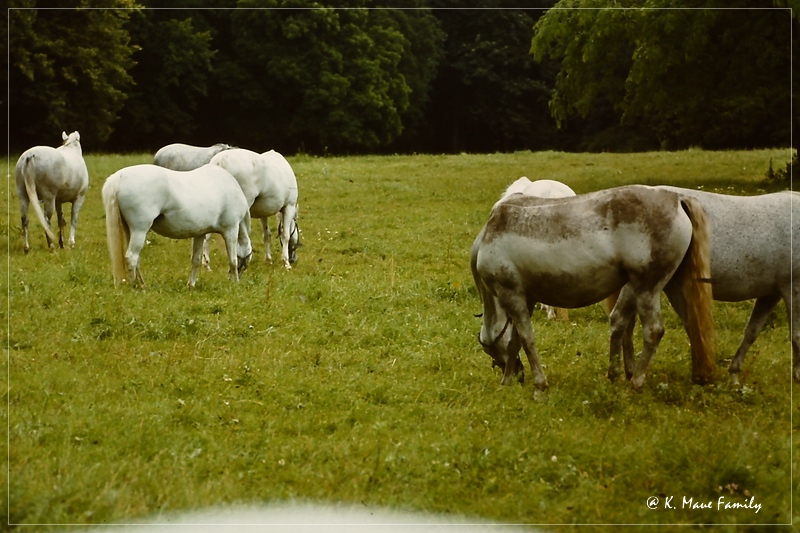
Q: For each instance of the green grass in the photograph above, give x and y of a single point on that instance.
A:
(357, 377)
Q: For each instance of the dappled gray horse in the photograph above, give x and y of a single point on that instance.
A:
(576, 251)
(751, 257)
(53, 176)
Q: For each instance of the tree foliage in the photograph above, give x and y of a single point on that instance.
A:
(489, 94)
(324, 78)
(68, 69)
(173, 70)
(412, 75)
(709, 77)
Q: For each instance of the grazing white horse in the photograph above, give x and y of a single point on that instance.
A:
(179, 156)
(270, 186)
(576, 251)
(178, 205)
(53, 176)
(751, 257)
(542, 189)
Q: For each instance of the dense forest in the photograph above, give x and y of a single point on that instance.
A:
(380, 76)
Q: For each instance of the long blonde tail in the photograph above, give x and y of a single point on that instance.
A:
(696, 283)
(33, 198)
(117, 233)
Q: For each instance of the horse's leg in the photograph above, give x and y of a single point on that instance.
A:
(49, 209)
(135, 245)
(61, 223)
(206, 258)
(517, 309)
(197, 253)
(648, 306)
(73, 219)
(288, 214)
(23, 207)
(230, 235)
(621, 320)
(758, 317)
(791, 297)
(267, 236)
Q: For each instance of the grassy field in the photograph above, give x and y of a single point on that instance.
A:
(357, 376)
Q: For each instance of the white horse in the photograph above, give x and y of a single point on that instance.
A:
(179, 156)
(53, 176)
(575, 251)
(542, 189)
(751, 257)
(178, 205)
(270, 186)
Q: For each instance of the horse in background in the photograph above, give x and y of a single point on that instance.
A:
(576, 251)
(751, 257)
(177, 205)
(179, 156)
(270, 186)
(53, 176)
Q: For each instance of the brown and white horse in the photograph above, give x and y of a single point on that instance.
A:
(576, 251)
(544, 189)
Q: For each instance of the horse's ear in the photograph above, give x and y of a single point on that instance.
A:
(64, 135)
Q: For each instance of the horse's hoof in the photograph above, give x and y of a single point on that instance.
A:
(613, 375)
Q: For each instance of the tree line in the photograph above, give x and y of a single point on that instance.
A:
(380, 76)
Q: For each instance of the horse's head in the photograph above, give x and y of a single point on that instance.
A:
(294, 239)
(244, 249)
(242, 262)
(73, 137)
(502, 346)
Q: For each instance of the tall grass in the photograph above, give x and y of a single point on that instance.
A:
(357, 377)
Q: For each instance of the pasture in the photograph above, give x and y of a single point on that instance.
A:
(357, 376)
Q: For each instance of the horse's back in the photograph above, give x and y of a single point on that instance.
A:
(281, 173)
(48, 167)
(751, 237)
(575, 251)
(180, 204)
(548, 189)
(185, 157)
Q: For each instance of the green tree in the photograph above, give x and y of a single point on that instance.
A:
(489, 94)
(712, 77)
(320, 78)
(172, 72)
(68, 69)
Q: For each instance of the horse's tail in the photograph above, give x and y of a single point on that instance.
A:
(117, 232)
(29, 178)
(695, 278)
(610, 302)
